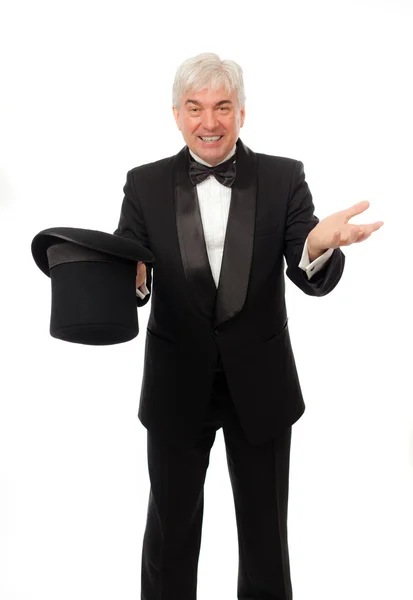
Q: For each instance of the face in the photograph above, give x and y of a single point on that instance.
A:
(206, 114)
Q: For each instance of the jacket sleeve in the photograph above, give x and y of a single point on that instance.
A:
(132, 225)
(300, 221)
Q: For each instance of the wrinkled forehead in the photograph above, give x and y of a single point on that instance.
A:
(209, 96)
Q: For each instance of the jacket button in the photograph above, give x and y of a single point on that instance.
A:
(216, 331)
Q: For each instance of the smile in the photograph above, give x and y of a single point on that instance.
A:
(210, 139)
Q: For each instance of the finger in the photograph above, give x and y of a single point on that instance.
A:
(363, 237)
(370, 227)
(356, 209)
(356, 234)
(140, 278)
(365, 231)
(351, 235)
(375, 226)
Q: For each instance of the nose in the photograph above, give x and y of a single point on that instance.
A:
(209, 120)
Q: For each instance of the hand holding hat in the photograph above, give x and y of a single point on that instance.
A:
(93, 276)
(140, 273)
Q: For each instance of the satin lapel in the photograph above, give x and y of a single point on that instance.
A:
(239, 238)
(191, 237)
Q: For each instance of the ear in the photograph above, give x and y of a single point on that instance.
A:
(242, 113)
(176, 116)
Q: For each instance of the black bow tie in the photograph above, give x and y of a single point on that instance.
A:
(224, 172)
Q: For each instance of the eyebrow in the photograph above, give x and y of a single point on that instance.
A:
(220, 103)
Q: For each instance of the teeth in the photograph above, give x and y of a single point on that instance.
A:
(211, 139)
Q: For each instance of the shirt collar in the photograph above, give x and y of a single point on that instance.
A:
(205, 163)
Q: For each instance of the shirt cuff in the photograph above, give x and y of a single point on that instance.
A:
(142, 291)
(317, 264)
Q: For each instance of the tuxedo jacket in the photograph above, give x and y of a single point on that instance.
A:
(242, 325)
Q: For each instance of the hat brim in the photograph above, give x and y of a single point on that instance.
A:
(100, 241)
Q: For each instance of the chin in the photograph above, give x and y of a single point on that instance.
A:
(216, 151)
(212, 154)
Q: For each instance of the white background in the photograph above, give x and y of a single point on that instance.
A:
(85, 96)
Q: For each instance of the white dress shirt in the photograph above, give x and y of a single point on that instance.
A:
(214, 202)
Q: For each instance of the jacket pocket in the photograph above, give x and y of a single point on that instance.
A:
(160, 337)
(260, 234)
(275, 335)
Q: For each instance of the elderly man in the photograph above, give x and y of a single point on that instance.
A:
(219, 220)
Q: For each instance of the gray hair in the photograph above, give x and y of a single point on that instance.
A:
(208, 71)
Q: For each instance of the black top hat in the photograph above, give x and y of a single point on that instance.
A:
(93, 276)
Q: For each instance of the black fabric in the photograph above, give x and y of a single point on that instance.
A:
(217, 305)
(93, 276)
(68, 252)
(270, 217)
(87, 238)
(224, 172)
(94, 303)
(193, 329)
(259, 479)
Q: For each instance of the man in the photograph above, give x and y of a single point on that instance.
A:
(219, 220)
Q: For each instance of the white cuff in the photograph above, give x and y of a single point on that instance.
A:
(317, 264)
(142, 291)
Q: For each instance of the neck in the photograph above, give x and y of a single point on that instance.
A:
(203, 162)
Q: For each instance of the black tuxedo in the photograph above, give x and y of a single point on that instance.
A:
(220, 358)
(243, 325)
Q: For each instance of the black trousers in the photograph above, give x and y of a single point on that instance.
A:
(259, 479)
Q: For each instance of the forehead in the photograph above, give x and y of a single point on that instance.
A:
(209, 96)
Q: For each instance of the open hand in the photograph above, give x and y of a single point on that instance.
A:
(335, 231)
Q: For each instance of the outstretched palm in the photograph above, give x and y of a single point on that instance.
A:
(335, 231)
